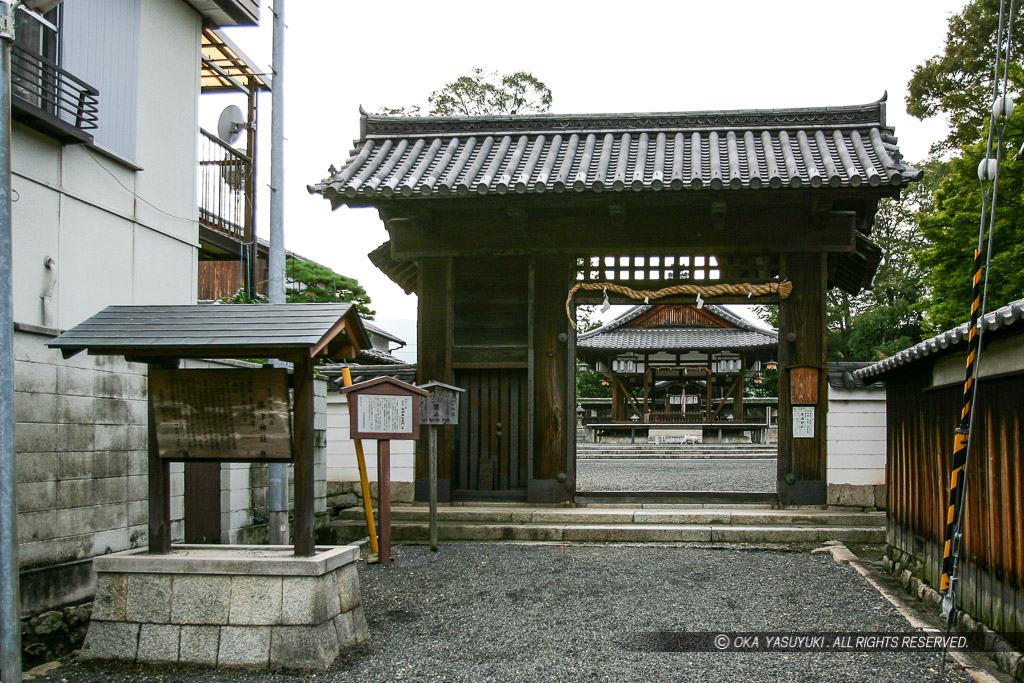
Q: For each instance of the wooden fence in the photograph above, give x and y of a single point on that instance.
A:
(920, 435)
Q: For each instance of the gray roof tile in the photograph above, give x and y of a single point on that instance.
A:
(210, 326)
(1010, 314)
(677, 339)
(795, 148)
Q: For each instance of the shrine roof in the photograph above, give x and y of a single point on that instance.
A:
(617, 336)
(215, 331)
(827, 147)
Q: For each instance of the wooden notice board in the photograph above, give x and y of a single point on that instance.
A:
(239, 415)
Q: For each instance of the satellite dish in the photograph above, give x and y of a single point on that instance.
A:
(230, 124)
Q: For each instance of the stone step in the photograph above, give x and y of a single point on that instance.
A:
(408, 531)
(744, 517)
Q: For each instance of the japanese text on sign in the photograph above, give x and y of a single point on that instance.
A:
(384, 414)
(803, 422)
(221, 414)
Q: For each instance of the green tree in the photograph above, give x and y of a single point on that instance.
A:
(950, 231)
(483, 93)
(589, 384)
(312, 282)
(958, 83)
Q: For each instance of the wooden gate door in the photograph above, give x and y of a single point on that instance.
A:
(491, 439)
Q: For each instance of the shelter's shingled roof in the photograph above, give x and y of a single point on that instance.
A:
(834, 147)
(210, 330)
(1008, 315)
(373, 329)
(615, 336)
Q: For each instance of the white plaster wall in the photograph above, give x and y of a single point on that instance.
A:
(121, 232)
(856, 436)
(341, 450)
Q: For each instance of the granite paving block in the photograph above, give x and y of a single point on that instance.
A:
(255, 600)
(304, 647)
(199, 644)
(111, 640)
(148, 598)
(158, 643)
(244, 646)
(200, 599)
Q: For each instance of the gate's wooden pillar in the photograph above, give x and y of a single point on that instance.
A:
(802, 382)
(434, 341)
(552, 412)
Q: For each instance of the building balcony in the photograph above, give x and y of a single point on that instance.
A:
(48, 98)
(225, 189)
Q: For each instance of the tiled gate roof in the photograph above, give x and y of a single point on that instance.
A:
(794, 148)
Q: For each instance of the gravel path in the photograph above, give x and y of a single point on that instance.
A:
(676, 475)
(577, 613)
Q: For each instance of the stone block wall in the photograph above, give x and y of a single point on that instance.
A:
(80, 444)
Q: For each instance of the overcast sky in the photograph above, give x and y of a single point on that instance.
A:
(596, 58)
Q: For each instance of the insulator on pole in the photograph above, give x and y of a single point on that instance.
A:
(988, 169)
(1003, 106)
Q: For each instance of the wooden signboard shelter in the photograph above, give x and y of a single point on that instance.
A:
(494, 220)
(221, 415)
(384, 408)
(440, 407)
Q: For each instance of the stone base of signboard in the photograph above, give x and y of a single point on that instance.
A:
(227, 606)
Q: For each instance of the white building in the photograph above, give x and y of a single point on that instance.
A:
(104, 156)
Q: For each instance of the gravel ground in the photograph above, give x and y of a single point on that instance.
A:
(479, 612)
(676, 475)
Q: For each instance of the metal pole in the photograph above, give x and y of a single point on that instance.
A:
(10, 602)
(433, 488)
(277, 476)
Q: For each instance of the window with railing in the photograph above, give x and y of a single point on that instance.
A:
(44, 95)
(225, 179)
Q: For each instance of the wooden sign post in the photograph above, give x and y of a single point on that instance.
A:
(384, 408)
(441, 407)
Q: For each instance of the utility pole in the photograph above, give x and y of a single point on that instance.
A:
(277, 476)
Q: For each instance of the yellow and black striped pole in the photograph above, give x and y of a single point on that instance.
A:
(961, 440)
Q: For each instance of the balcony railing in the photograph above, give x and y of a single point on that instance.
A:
(47, 97)
(225, 188)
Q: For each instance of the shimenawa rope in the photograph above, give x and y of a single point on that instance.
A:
(783, 289)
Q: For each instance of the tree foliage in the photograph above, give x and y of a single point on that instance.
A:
(589, 384)
(958, 83)
(311, 282)
(950, 231)
(484, 93)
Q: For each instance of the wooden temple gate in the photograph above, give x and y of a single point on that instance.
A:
(492, 220)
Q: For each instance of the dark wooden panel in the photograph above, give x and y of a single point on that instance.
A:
(920, 428)
(202, 502)
(434, 356)
(551, 401)
(745, 230)
(802, 465)
(491, 440)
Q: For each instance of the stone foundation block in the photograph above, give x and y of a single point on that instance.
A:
(303, 647)
(855, 495)
(247, 646)
(227, 606)
(199, 644)
(200, 599)
(111, 640)
(159, 642)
